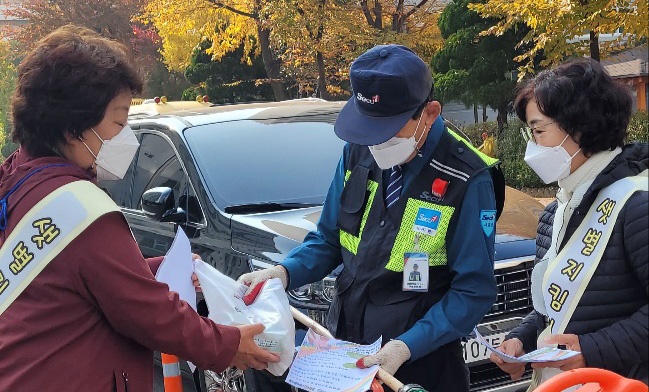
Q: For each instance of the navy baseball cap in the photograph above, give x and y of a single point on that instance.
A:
(389, 83)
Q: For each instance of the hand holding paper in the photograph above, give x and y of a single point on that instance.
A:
(544, 354)
(512, 347)
(572, 343)
(329, 365)
(390, 357)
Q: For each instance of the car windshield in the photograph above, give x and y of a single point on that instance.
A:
(280, 163)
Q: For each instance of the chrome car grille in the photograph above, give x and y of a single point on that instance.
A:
(514, 292)
(514, 300)
(489, 376)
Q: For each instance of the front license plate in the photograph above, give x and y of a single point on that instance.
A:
(474, 351)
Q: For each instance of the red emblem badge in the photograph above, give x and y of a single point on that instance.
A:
(439, 187)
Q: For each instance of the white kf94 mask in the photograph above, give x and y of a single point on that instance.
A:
(115, 155)
(551, 164)
(396, 150)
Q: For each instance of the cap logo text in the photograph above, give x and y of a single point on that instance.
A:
(371, 101)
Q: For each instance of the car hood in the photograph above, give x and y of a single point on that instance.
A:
(269, 237)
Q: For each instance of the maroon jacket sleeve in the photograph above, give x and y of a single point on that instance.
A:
(154, 263)
(114, 275)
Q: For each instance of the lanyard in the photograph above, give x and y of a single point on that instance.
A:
(4, 205)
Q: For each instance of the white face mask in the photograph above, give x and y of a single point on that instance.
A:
(551, 164)
(397, 150)
(115, 155)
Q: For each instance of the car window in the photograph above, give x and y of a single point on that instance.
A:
(169, 175)
(154, 155)
(157, 165)
(255, 162)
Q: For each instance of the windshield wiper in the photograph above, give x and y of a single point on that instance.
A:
(266, 207)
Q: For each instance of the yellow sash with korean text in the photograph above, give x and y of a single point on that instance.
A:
(568, 274)
(45, 231)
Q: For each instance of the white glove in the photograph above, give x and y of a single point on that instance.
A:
(253, 279)
(390, 357)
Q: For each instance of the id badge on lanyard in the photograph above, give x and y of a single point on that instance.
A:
(415, 269)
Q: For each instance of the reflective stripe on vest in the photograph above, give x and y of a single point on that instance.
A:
(434, 245)
(350, 241)
(45, 231)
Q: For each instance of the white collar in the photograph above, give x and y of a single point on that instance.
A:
(584, 175)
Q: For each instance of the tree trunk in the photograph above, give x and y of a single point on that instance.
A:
(322, 76)
(594, 46)
(502, 118)
(271, 64)
(378, 15)
(484, 113)
(475, 113)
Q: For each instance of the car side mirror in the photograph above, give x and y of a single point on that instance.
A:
(158, 201)
(177, 215)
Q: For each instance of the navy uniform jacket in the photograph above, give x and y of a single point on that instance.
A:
(470, 256)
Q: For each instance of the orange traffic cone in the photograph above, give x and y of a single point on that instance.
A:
(173, 381)
(593, 380)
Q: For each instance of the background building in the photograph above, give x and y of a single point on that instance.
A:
(630, 67)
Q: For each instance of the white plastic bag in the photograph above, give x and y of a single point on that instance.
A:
(224, 300)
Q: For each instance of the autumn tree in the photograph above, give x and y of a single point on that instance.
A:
(555, 26)
(339, 31)
(318, 57)
(111, 19)
(473, 69)
(300, 41)
(7, 81)
(226, 80)
(227, 24)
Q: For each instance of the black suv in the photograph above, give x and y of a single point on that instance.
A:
(247, 182)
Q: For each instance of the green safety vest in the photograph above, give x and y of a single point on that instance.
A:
(374, 239)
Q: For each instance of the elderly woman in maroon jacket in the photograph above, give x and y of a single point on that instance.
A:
(590, 283)
(92, 316)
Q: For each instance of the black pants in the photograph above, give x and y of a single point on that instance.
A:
(443, 370)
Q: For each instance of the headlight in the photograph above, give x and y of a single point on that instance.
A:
(318, 293)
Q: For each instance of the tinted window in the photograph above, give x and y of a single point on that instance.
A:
(170, 175)
(155, 154)
(157, 165)
(262, 161)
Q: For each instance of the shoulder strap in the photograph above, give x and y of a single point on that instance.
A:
(45, 231)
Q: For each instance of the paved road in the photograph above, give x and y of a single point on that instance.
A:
(461, 116)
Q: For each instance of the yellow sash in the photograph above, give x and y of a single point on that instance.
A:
(568, 274)
(45, 231)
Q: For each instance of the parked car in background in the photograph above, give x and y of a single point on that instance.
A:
(247, 182)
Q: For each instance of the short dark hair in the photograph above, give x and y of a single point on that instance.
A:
(584, 100)
(64, 86)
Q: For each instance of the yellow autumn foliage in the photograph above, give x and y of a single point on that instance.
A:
(299, 31)
(556, 25)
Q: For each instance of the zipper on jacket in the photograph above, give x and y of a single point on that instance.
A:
(125, 377)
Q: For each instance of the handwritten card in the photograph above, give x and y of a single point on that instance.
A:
(329, 365)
